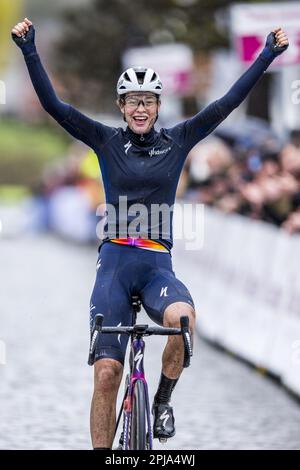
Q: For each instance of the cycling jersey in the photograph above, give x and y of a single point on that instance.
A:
(144, 168)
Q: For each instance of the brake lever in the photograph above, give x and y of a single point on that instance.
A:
(187, 341)
(94, 337)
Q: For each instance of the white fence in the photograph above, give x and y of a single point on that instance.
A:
(246, 285)
(2, 92)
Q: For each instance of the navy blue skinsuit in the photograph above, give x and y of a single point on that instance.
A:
(146, 169)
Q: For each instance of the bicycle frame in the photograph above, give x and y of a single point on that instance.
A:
(136, 361)
(136, 373)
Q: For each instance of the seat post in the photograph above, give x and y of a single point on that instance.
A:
(136, 306)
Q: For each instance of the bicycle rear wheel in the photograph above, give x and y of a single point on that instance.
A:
(138, 435)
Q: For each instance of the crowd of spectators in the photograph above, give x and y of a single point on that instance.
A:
(255, 176)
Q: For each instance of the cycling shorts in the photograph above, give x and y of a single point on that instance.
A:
(124, 271)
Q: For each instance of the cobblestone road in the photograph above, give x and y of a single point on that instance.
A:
(46, 386)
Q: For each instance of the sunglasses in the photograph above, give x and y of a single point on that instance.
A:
(133, 102)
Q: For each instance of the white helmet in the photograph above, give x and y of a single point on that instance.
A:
(139, 79)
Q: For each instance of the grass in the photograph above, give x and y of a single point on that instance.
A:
(25, 149)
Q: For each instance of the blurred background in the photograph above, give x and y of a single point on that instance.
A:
(244, 280)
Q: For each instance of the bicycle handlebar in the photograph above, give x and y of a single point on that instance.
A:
(149, 330)
(143, 330)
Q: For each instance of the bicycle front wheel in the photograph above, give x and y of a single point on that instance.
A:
(138, 435)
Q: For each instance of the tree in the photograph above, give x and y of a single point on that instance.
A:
(88, 56)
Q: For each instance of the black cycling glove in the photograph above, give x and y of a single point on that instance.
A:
(26, 41)
(271, 49)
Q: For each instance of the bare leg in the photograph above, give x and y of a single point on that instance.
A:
(107, 379)
(172, 366)
(173, 355)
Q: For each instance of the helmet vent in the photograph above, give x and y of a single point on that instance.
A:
(140, 77)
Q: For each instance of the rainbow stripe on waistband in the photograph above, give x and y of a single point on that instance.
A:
(143, 243)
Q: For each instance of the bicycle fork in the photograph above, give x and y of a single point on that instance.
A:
(137, 373)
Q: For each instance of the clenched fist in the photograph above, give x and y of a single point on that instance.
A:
(22, 28)
(281, 37)
(23, 35)
(277, 41)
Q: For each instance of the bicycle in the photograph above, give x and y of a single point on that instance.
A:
(137, 429)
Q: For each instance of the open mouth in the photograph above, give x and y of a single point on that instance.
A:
(140, 120)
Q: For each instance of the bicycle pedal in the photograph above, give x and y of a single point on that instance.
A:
(163, 440)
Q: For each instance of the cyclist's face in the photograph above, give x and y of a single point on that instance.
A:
(140, 111)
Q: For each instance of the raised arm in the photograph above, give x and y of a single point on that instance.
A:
(77, 124)
(276, 43)
(196, 128)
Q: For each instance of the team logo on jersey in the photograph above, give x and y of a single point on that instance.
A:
(127, 146)
(163, 292)
(154, 152)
